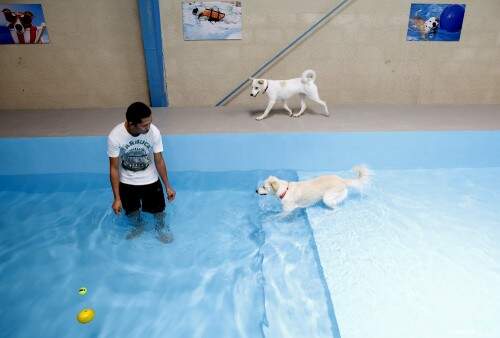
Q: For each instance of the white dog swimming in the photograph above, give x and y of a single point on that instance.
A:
(282, 90)
(332, 189)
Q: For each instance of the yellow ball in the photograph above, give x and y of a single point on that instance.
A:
(85, 316)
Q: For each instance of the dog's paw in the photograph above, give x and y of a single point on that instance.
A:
(258, 118)
(295, 115)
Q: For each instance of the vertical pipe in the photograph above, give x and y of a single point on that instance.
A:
(149, 15)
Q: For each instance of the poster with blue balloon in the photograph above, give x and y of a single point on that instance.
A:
(435, 22)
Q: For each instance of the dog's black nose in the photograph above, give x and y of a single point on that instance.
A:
(18, 27)
(256, 191)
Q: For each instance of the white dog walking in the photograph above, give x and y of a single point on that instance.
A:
(282, 90)
(332, 189)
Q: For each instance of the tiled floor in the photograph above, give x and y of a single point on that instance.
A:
(239, 119)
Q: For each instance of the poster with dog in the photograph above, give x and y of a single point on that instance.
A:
(435, 22)
(211, 20)
(22, 24)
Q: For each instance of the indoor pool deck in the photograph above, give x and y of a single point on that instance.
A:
(344, 118)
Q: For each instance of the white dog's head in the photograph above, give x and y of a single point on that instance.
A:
(258, 86)
(271, 186)
(431, 25)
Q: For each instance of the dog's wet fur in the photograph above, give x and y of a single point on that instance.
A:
(331, 189)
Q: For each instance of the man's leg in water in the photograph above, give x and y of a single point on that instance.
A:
(137, 222)
(162, 230)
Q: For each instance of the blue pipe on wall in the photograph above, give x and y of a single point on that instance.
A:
(149, 15)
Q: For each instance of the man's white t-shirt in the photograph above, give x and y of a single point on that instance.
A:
(137, 165)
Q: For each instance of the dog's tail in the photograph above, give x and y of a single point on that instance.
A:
(363, 177)
(308, 76)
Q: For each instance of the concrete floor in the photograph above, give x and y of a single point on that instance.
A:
(344, 118)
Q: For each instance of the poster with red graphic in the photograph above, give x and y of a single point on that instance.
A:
(22, 24)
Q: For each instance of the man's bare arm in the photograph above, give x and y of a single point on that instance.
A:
(114, 178)
(162, 171)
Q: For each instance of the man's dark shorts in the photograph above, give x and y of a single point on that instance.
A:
(149, 197)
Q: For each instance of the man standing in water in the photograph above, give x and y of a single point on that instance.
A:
(132, 147)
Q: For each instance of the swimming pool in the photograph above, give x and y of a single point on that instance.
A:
(416, 256)
(413, 256)
(231, 272)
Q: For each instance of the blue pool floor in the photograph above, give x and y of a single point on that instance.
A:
(414, 255)
(232, 271)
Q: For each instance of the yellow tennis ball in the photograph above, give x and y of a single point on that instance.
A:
(85, 316)
(82, 291)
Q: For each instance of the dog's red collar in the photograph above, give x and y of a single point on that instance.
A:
(284, 193)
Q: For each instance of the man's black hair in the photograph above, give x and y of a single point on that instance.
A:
(136, 112)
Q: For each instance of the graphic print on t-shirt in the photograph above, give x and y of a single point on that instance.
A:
(135, 155)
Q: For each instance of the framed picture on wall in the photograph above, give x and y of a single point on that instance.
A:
(435, 22)
(211, 20)
(22, 24)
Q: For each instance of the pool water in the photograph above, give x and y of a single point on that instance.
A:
(233, 270)
(416, 255)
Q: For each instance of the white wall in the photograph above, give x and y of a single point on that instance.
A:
(94, 58)
(361, 55)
